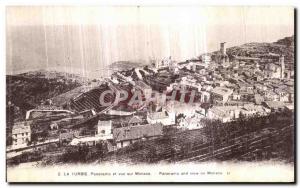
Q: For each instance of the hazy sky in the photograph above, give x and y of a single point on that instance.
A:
(88, 39)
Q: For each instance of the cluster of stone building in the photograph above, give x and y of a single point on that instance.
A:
(224, 87)
(240, 85)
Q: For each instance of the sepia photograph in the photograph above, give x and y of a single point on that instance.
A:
(160, 94)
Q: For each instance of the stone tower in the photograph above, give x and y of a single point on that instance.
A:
(223, 48)
(281, 61)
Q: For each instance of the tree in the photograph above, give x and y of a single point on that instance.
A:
(83, 152)
(102, 149)
(151, 154)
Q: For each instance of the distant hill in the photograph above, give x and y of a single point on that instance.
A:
(27, 90)
(283, 46)
(125, 65)
(287, 41)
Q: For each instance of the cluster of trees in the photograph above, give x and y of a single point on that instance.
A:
(28, 92)
(218, 132)
(221, 134)
(25, 157)
(85, 153)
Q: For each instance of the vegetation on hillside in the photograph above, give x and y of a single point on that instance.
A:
(283, 46)
(26, 91)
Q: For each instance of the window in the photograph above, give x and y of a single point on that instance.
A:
(103, 131)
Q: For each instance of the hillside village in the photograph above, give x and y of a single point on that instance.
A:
(163, 99)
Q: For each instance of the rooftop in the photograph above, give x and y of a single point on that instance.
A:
(135, 119)
(223, 111)
(142, 85)
(252, 107)
(274, 104)
(222, 91)
(158, 115)
(136, 132)
(20, 127)
(258, 98)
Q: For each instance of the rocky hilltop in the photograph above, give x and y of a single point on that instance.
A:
(283, 46)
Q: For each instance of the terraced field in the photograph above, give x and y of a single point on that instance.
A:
(191, 146)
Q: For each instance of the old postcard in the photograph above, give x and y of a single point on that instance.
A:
(150, 94)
